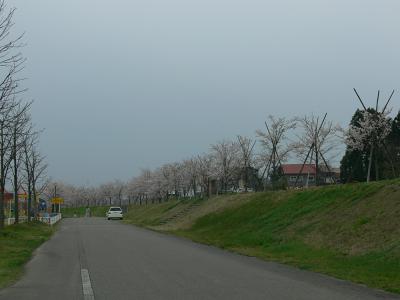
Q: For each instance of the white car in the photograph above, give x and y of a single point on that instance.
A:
(114, 213)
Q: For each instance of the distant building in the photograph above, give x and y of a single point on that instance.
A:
(291, 172)
(330, 176)
(307, 177)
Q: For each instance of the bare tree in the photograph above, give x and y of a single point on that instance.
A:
(38, 167)
(11, 62)
(246, 146)
(20, 129)
(28, 145)
(318, 141)
(275, 145)
(5, 148)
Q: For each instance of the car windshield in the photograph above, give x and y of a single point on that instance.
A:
(115, 209)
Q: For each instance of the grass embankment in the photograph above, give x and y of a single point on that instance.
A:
(350, 231)
(96, 211)
(17, 242)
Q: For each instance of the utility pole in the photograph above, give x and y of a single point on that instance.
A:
(53, 206)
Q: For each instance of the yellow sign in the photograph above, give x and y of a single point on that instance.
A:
(57, 200)
(25, 196)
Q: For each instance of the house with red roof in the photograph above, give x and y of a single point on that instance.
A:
(306, 175)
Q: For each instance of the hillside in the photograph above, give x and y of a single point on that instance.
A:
(349, 231)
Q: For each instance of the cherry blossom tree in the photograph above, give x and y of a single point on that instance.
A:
(226, 159)
(205, 171)
(370, 133)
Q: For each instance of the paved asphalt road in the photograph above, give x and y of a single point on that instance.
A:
(109, 260)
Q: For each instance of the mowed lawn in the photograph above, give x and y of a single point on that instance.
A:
(348, 231)
(17, 243)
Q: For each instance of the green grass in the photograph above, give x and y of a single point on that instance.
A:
(153, 214)
(349, 231)
(17, 242)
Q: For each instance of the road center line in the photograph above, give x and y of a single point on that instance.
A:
(86, 285)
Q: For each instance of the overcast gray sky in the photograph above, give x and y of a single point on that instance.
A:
(127, 84)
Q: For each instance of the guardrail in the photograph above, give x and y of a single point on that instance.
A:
(51, 219)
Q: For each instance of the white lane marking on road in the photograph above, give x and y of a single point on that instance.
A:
(86, 285)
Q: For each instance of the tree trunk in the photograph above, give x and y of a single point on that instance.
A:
(316, 167)
(34, 197)
(15, 166)
(370, 163)
(2, 209)
(376, 167)
(208, 187)
(29, 200)
(2, 179)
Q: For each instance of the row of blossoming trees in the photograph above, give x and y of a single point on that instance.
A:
(22, 167)
(372, 144)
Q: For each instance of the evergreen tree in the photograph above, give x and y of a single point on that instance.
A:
(391, 166)
(354, 164)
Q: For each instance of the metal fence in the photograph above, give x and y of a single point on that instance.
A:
(51, 219)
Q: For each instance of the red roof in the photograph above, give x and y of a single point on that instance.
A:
(7, 195)
(295, 169)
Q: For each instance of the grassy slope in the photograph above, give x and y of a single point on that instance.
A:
(17, 243)
(350, 231)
